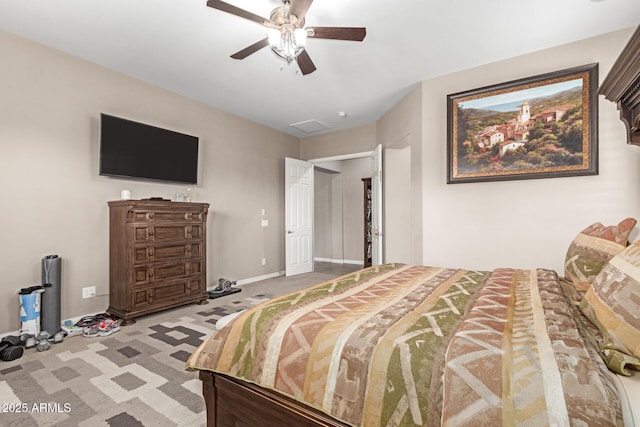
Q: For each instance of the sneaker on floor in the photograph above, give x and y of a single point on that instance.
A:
(101, 329)
(108, 327)
(90, 331)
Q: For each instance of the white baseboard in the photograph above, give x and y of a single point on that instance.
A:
(339, 261)
(6, 334)
(259, 278)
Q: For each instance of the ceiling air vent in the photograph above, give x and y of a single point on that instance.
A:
(310, 126)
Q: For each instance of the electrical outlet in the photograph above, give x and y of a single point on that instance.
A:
(89, 292)
(264, 261)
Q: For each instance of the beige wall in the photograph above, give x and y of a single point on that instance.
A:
(528, 223)
(54, 201)
(350, 141)
(400, 133)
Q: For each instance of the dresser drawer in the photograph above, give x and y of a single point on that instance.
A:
(151, 215)
(168, 252)
(150, 274)
(159, 233)
(167, 293)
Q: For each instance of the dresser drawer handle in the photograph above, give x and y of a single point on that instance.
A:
(188, 216)
(150, 252)
(150, 215)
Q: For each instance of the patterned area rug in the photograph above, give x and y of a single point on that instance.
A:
(133, 377)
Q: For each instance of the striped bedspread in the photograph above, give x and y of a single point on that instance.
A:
(404, 345)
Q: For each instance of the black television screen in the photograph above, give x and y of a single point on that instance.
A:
(130, 149)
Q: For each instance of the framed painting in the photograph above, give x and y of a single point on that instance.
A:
(538, 127)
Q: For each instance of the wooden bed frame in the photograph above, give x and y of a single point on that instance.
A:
(231, 402)
(234, 403)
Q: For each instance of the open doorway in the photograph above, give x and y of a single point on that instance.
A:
(299, 201)
(339, 215)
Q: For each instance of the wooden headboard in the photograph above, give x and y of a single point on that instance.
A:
(622, 86)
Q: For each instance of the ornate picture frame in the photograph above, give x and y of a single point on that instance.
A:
(544, 126)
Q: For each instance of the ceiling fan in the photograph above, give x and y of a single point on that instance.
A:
(285, 33)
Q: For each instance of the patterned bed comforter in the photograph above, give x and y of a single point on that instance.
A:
(403, 345)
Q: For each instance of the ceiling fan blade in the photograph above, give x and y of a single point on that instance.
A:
(299, 8)
(241, 54)
(338, 33)
(305, 63)
(234, 10)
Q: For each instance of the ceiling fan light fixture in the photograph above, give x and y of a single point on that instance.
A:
(287, 42)
(286, 33)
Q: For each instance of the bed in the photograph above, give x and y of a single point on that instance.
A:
(412, 345)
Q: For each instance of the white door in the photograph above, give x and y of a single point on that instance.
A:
(298, 199)
(376, 201)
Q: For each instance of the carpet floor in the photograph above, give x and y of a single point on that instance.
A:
(135, 376)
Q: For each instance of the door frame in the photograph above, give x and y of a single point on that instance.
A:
(364, 154)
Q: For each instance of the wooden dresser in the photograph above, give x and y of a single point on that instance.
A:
(157, 256)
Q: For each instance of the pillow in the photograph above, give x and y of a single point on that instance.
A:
(592, 248)
(612, 303)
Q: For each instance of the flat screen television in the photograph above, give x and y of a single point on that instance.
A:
(129, 149)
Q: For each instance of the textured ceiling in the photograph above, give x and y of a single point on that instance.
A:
(184, 46)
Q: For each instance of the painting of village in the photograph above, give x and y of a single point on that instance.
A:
(523, 131)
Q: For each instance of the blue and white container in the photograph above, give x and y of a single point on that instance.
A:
(30, 310)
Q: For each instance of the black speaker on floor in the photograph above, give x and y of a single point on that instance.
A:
(50, 310)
